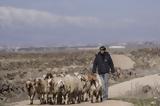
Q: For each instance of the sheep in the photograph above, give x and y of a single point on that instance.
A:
(48, 78)
(42, 90)
(56, 88)
(96, 88)
(31, 90)
(68, 89)
(73, 87)
(86, 86)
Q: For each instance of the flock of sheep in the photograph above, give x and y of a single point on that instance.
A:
(65, 89)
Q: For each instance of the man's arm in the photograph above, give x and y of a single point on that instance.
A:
(94, 65)
(111, 64)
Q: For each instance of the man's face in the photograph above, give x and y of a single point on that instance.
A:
(102, 51)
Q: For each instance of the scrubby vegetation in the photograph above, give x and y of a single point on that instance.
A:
(16, 68)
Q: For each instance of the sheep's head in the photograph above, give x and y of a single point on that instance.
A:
(50, 83)
(29, 85)
(37, 82)
(61, 86)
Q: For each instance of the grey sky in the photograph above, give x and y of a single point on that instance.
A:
(49, 22)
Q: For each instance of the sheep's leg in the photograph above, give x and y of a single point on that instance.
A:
(31, 102)
(80, 98)
(50, 97)
(63, 99)
(54, 99)
(101, 99)
(97, 97)
(59, 99)
(100, 95)
(32, 98)
(85, 97)
(67, 99)
(88, 96)
(45, 98)
(91, 96)
(41, 99)
(88, 93)
(71, 99)
(74, 98)
(77, 98)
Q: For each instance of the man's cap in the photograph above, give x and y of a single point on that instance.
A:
(102, 48)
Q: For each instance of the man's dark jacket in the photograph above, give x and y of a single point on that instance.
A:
(104, 63)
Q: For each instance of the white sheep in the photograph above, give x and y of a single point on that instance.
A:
(73, 87)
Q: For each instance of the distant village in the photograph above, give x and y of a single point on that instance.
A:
(79, 47)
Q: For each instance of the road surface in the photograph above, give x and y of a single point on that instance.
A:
(105, 103)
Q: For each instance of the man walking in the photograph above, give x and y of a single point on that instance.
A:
(103, 62)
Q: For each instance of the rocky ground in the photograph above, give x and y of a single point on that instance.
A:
(16, 68)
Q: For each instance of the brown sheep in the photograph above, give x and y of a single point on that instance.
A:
(41, 87)
(31, 90)
(96, 88)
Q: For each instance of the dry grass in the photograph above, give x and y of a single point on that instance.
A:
(18, 67)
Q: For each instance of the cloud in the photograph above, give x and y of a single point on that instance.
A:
(17, 17)
(28, 26)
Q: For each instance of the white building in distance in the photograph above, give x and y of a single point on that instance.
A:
(117, 47)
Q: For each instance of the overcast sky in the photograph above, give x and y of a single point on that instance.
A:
(50, 22)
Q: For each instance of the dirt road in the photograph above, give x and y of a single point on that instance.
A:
(133, 86)
(105, 103)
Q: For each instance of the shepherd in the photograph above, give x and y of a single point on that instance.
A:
(103, 65)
